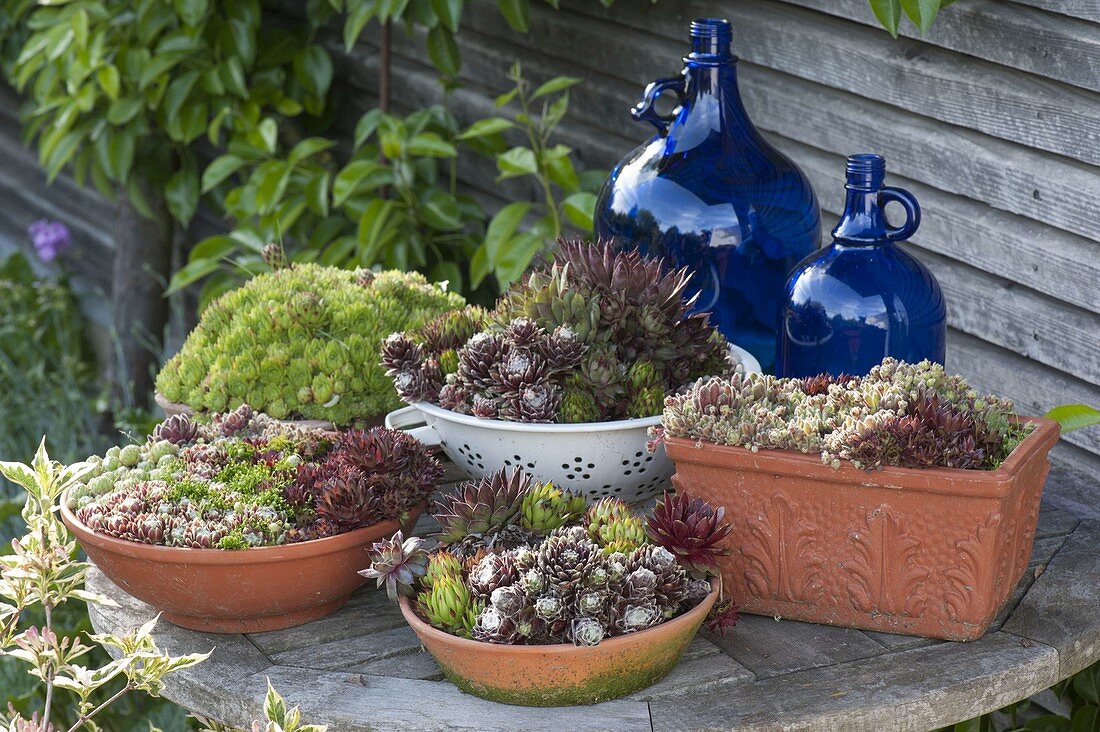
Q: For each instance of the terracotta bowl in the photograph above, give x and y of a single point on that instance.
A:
(242, 591)
(561, 674)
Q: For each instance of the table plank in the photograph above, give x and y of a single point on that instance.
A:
(357, 702)
(1061, 609)
(369, 611)
(416, 665)
(351, 651)
(703, 665)
(1054, 522)
(916, 689)
(770, 647)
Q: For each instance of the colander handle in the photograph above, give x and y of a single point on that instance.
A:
(412, 421)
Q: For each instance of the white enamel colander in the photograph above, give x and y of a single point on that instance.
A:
(596, 459)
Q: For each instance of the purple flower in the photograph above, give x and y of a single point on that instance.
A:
(51, 239)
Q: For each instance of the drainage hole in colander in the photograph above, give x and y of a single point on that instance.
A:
(586, 476)
(649, 458)
(639, 453)
(481, 466)
(626, 462)
(591, 465)
(565, 466)
(508, 462)
(531, 465)
(641, 470)
(578, 470)
(607, 486)
(627, 472)
(478, 456)
(617, 490)
(637, 463)
(578, 460)
(468, 448)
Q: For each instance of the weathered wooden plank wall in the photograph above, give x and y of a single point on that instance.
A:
(992, 120)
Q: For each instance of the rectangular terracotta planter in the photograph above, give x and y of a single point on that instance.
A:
(924, 552)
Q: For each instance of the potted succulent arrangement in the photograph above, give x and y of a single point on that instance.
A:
(241, 523)
(300, 343)
(900, 501)
(532, 597)
(565, 376)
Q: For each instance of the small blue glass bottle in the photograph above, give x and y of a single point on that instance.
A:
(862, 298)
(709, 193)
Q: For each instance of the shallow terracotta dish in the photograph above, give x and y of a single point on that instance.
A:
(241, 591)
(561, 674)
(931, 552)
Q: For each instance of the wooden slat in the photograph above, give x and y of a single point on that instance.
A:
(1084, 9)
(918, 77)
(1006, 176)
(1033, 387)
(1020, 37)
(1020, 320)
(1060, 598)
(1010, 177)
(1063, 337)
(354, 702)
(772, 647)
(1004, 244)
(895, 691)
(1042, 258)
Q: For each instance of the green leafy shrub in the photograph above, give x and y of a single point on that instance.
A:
(395, 201)
(921, 12)
(47, 371)
(301, 342)
(37, 579)
(125, 92)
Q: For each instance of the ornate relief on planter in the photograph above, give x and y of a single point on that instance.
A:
(782, 555)
(924, 552)
(975, 554)
(886, 573)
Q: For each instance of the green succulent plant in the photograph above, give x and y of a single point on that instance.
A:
(599, 335)
(301, 342)
(899, 414)
(524, 563)
(547, 507)
(243, 479)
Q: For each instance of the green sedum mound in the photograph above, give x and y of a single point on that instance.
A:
(301, 343)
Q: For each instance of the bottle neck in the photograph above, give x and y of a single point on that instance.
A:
(863, 222)
(712, 91)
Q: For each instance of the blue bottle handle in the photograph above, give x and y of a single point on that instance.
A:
(912, 212)
(645, 111)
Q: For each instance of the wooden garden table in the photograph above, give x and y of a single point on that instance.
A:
(363, 669)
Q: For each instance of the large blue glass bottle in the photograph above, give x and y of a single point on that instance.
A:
(862, 298)
(708, 192)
